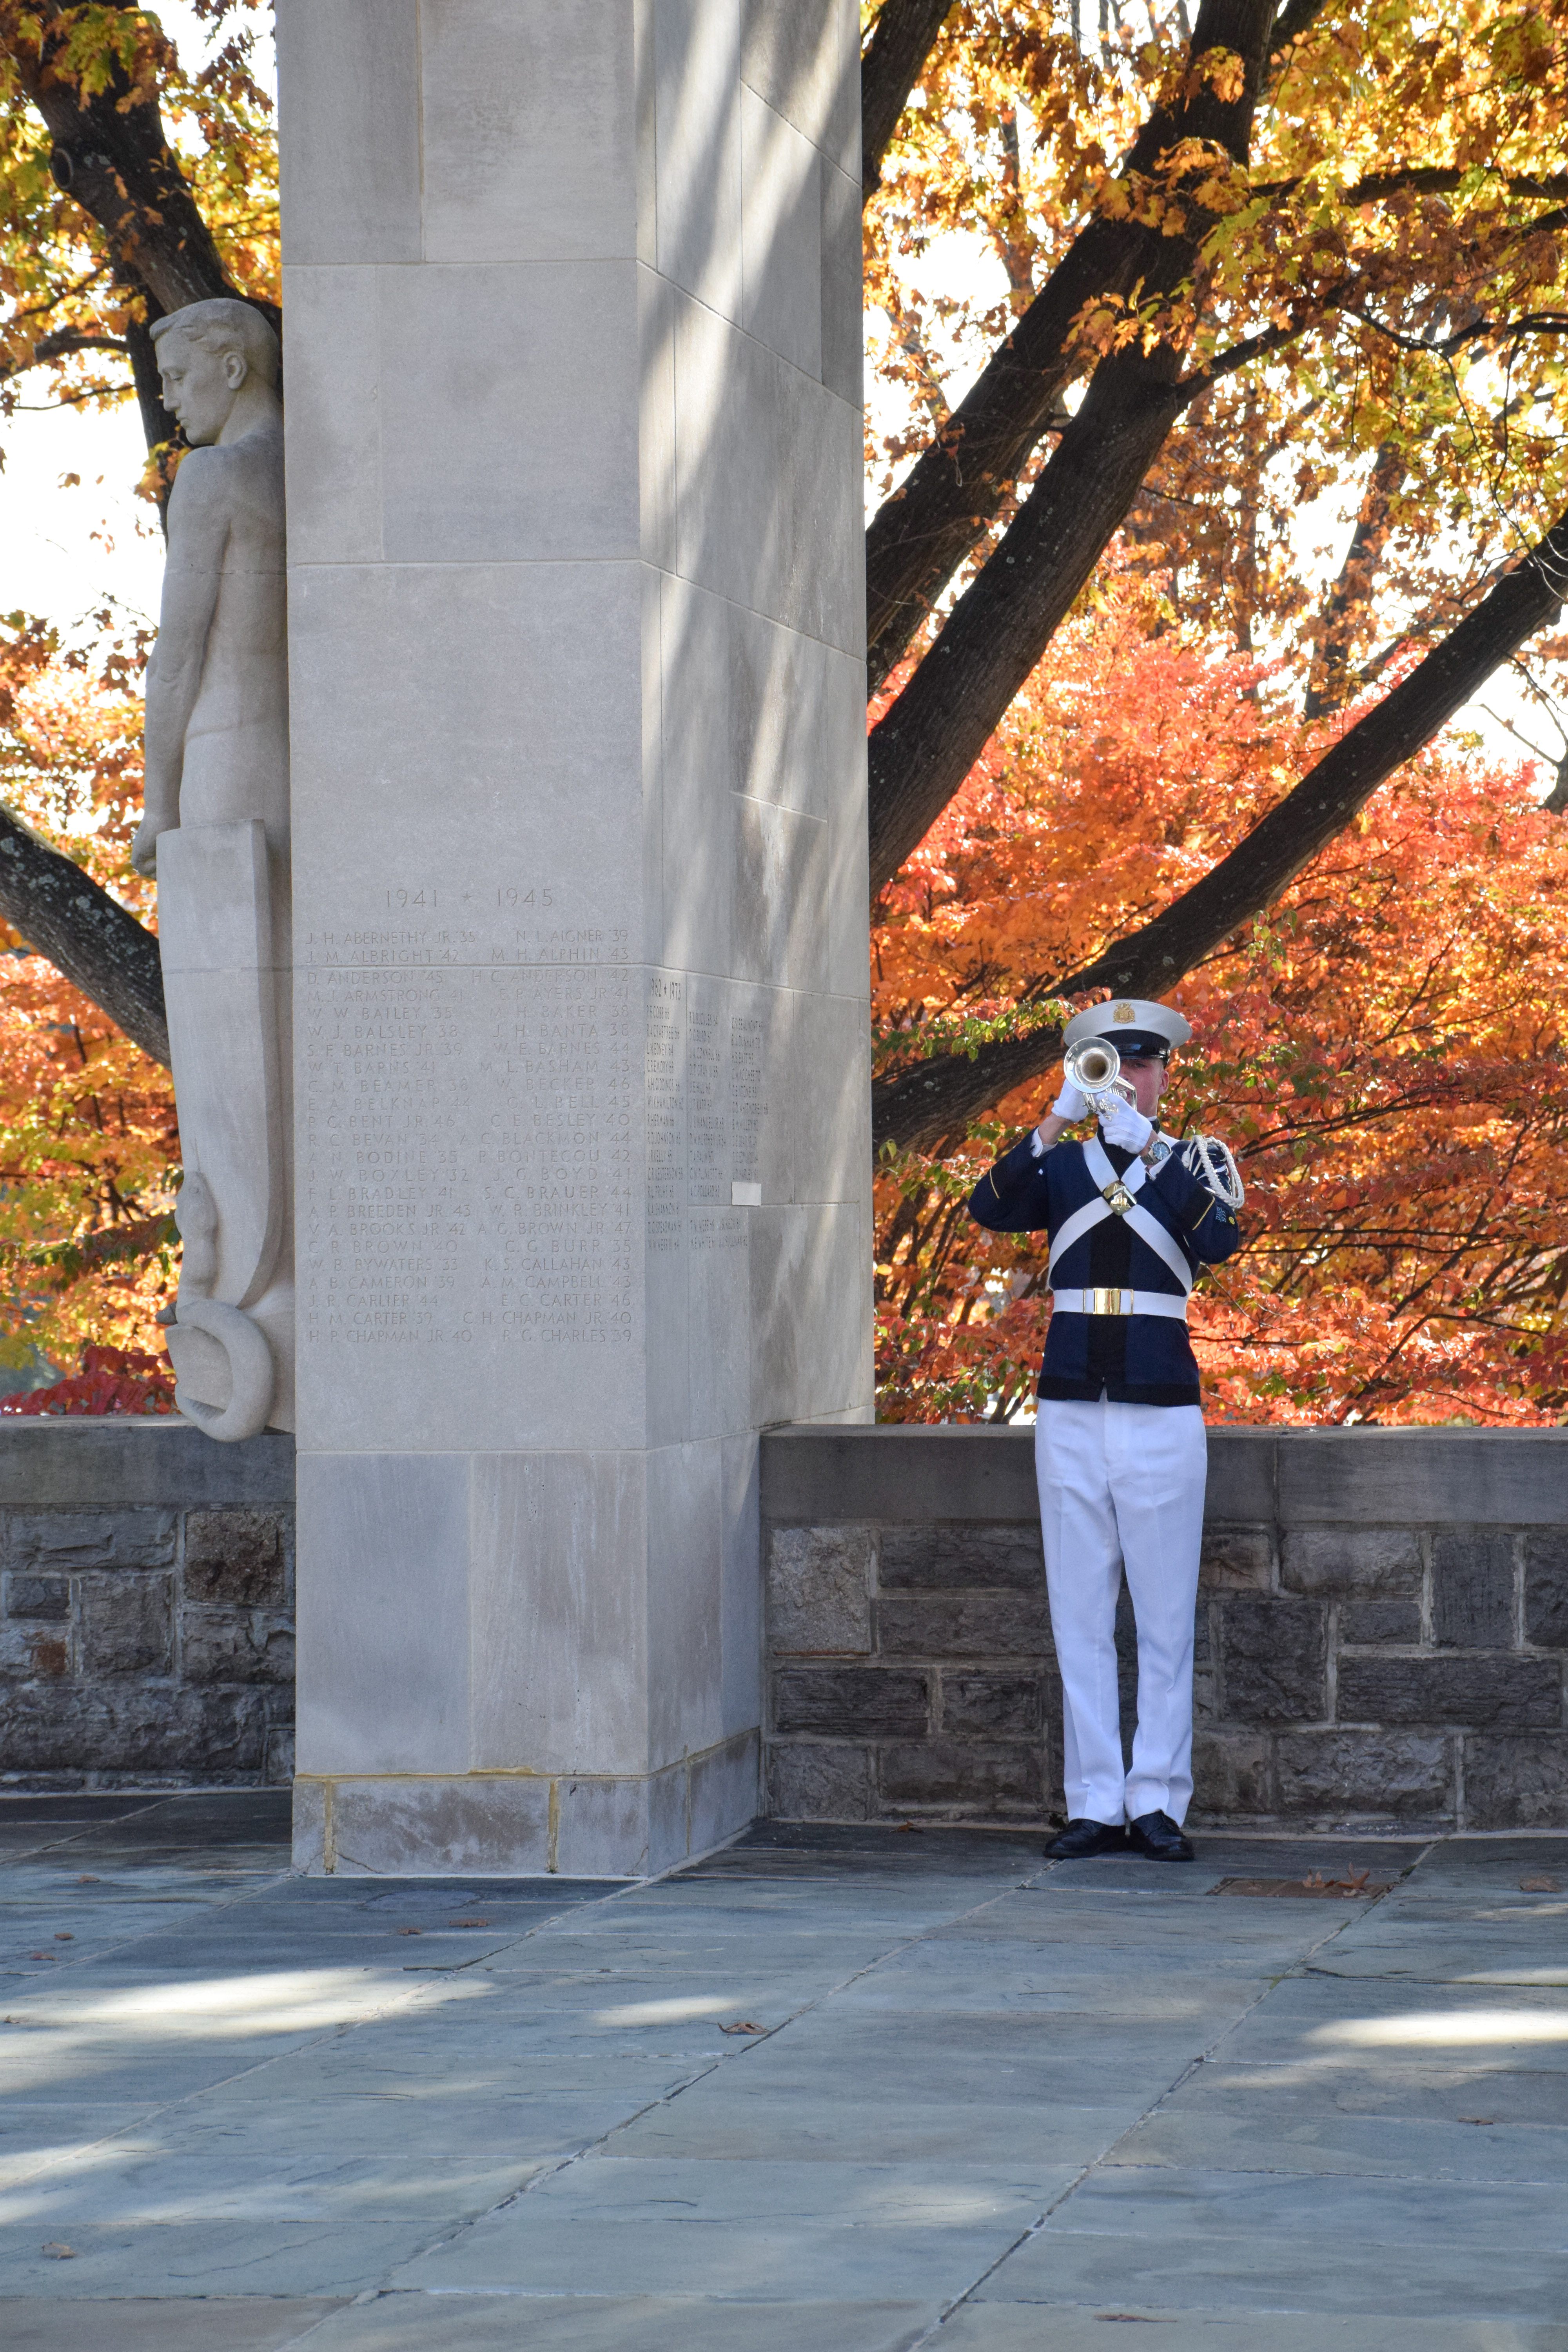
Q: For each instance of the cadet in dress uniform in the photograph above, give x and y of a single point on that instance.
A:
(1119, 1449)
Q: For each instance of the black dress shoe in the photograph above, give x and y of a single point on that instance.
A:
(1157, 1836)
(1081, 1839)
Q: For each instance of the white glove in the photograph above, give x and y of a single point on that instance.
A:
(1126, 1128)
(1069, 1104)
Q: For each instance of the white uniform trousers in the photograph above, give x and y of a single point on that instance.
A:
(1122, 1484)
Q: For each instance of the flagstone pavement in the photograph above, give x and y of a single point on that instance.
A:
(827, 2091)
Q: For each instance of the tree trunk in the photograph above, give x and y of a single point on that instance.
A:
(113, 157)
(1331, 681)
(63, 914)
(938, 1098)
(937, 516)
(927, 742)
(902, 38)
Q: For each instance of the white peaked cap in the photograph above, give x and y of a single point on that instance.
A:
(1131, 1024)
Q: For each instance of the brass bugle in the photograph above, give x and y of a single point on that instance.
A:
(1095, 1069)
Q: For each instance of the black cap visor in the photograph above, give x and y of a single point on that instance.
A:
(1137, 1044)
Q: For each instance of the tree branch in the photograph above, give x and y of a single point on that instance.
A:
(1425, 180)
(113, 157)
(63, 914)
(902, 38)
(938, 1097)
(61, 346)
(927, 741)
(1296, 17)
(932, 522)
(64, 1263)
(1329, 681)
(1531, 322)
(1261, 346)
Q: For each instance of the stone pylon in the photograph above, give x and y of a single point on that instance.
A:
(573, 370)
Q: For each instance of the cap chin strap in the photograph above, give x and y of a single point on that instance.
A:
(1147, 1228)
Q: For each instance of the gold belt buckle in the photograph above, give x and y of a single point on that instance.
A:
(1109, 1302)
(1120, 1198)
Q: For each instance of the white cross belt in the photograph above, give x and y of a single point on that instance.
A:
(1148, 1229)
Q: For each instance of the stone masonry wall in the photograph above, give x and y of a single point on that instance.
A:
(1382, 1633)
(146, 1606)
(1382, 1629)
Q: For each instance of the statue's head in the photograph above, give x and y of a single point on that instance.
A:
(207, 353)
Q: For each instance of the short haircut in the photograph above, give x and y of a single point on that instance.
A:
(224, 325)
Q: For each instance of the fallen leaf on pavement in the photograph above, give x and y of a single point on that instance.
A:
(87, 1882)
(64, 1935)
(1476, 2119)
(410, 1931)
(60, 2252)
(1335, 1890)
(745, 2026)
(471, 1923)
(1542, 1884)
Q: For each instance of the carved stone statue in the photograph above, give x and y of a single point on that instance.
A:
(216, 833)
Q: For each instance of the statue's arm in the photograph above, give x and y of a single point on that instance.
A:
(198, 536)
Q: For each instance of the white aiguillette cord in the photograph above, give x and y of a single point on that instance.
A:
(1198, 1155)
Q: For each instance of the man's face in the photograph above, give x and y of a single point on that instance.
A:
(1146, 1075)
(199, 386)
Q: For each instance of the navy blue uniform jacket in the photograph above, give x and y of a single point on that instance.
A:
(1131, 1359)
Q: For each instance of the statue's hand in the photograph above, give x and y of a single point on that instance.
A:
(144, 848)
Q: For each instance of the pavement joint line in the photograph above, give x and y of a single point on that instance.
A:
(147, 1805)
(256, 1884)
(367, 2294)
(939, 1920)
(1102, 2159)
(1284, 2172)
(1093, 2166)
(101, 1951)
(405, 1996)
(722, 2058)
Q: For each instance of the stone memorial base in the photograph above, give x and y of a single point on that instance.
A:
(517, 1823)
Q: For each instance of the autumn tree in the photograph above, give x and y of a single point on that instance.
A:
(88, 1143)
(128, 188)
(1241, 261)
(1222, 234)
(1369, 296)
(1385, 1053)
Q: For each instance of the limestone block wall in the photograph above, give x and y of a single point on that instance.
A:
(1382, 1633)
(146, 1606)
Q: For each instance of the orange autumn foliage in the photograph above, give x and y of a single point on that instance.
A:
(1384, 1051)
(1400, 205)
(88, 1143)
(111, 1380)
